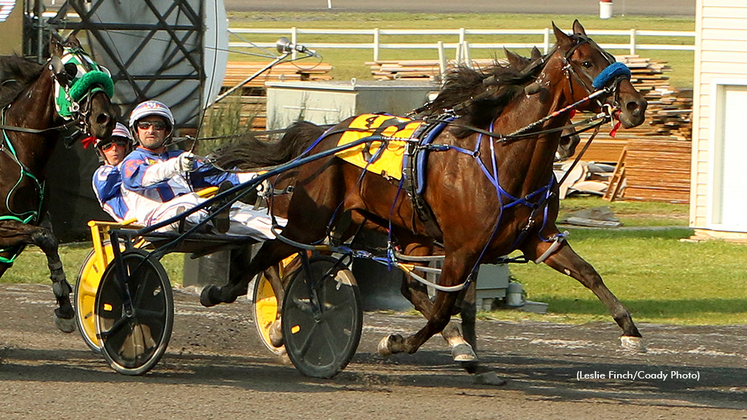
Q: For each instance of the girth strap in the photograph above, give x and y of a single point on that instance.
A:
(414, 170)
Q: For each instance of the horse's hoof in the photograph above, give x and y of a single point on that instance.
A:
(65, 325)
(631, 343)
(463, 352)
(206, 299)
(489, 378)
(384, 347)
(276, 334)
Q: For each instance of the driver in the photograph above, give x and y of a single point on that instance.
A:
(107, 180)
(158, 183)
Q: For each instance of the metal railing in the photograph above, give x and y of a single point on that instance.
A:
(461, 46)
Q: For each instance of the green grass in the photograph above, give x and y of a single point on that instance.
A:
(660, 278)
(350, 63)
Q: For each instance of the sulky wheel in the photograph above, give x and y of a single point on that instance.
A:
(265, 304)
(84, 300)
(133, 345)
(265, 312)
(321, 336)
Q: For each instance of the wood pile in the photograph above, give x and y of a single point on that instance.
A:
(238, 71)
(653, 170)
(252, 102)
(413, 69)
(669, 109)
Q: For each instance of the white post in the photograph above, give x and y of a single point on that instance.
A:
(632, 42)
(466, 54)
(294, 41)
(329, 4)
(547, 40)
(441, 60)
(376, 45)
(605, 9)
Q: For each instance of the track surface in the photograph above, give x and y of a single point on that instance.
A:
(215, 367)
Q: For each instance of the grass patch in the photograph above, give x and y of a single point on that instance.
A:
(660, 278)
(31, 265)
(631, 213)
(350, 63)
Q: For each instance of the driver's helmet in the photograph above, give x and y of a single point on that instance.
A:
(120, 134)
(148, 108)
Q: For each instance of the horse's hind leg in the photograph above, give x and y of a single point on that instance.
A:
(268, 255)
(566, 261)
(16, 233)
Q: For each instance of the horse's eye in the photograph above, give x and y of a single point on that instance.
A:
(587, 64)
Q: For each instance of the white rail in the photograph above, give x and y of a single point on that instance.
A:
(461, 44)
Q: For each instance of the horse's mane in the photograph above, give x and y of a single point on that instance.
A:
(16, 73)
(478, 96)
(247, 152)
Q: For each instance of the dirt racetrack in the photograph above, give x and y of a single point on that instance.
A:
(216, 368)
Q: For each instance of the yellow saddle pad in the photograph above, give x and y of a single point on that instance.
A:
(390, 163)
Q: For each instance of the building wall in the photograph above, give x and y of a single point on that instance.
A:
(720, 54)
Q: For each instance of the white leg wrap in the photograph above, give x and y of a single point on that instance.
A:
(384, 347)
(632, 343)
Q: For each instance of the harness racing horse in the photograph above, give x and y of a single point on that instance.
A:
(486, 180)
(40, 104)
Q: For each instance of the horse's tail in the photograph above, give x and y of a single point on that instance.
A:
(248, 152)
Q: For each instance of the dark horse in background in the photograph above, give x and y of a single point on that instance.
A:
(31, 128)
(489, 181)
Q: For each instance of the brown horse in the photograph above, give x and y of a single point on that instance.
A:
(488, 181)
(31, 127)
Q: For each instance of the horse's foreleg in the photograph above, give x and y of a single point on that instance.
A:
(566, 261)
(462, 349)
(16, 234)
(455, 269)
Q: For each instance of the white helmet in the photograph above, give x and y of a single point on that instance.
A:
(120, 133)
(148, 108)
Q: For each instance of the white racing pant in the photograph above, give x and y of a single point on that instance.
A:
(245, 220)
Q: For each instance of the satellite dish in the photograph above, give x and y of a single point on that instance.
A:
(216, 49)
(173, 51)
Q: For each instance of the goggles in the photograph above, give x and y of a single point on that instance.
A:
(157, 125)
(110, 145)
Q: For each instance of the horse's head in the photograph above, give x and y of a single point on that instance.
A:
(85, 88)
(588, 68)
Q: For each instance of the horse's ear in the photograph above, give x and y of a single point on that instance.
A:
(536, 54)
(563, 41)
(72, 41)
(55, 46)
(578, 29)
(514, 60)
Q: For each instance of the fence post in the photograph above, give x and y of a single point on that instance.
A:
(294, 41)
(466, 54)
(441, 60)
(547, 40)
(376, 45)
(632, 42)
(460, 47)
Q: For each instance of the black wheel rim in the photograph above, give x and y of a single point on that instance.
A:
(133, 345)
(322, 345)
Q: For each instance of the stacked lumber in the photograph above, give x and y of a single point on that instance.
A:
(238, 71)
(654, 170)
(669, 109)
(251, 105)
(414, 69)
